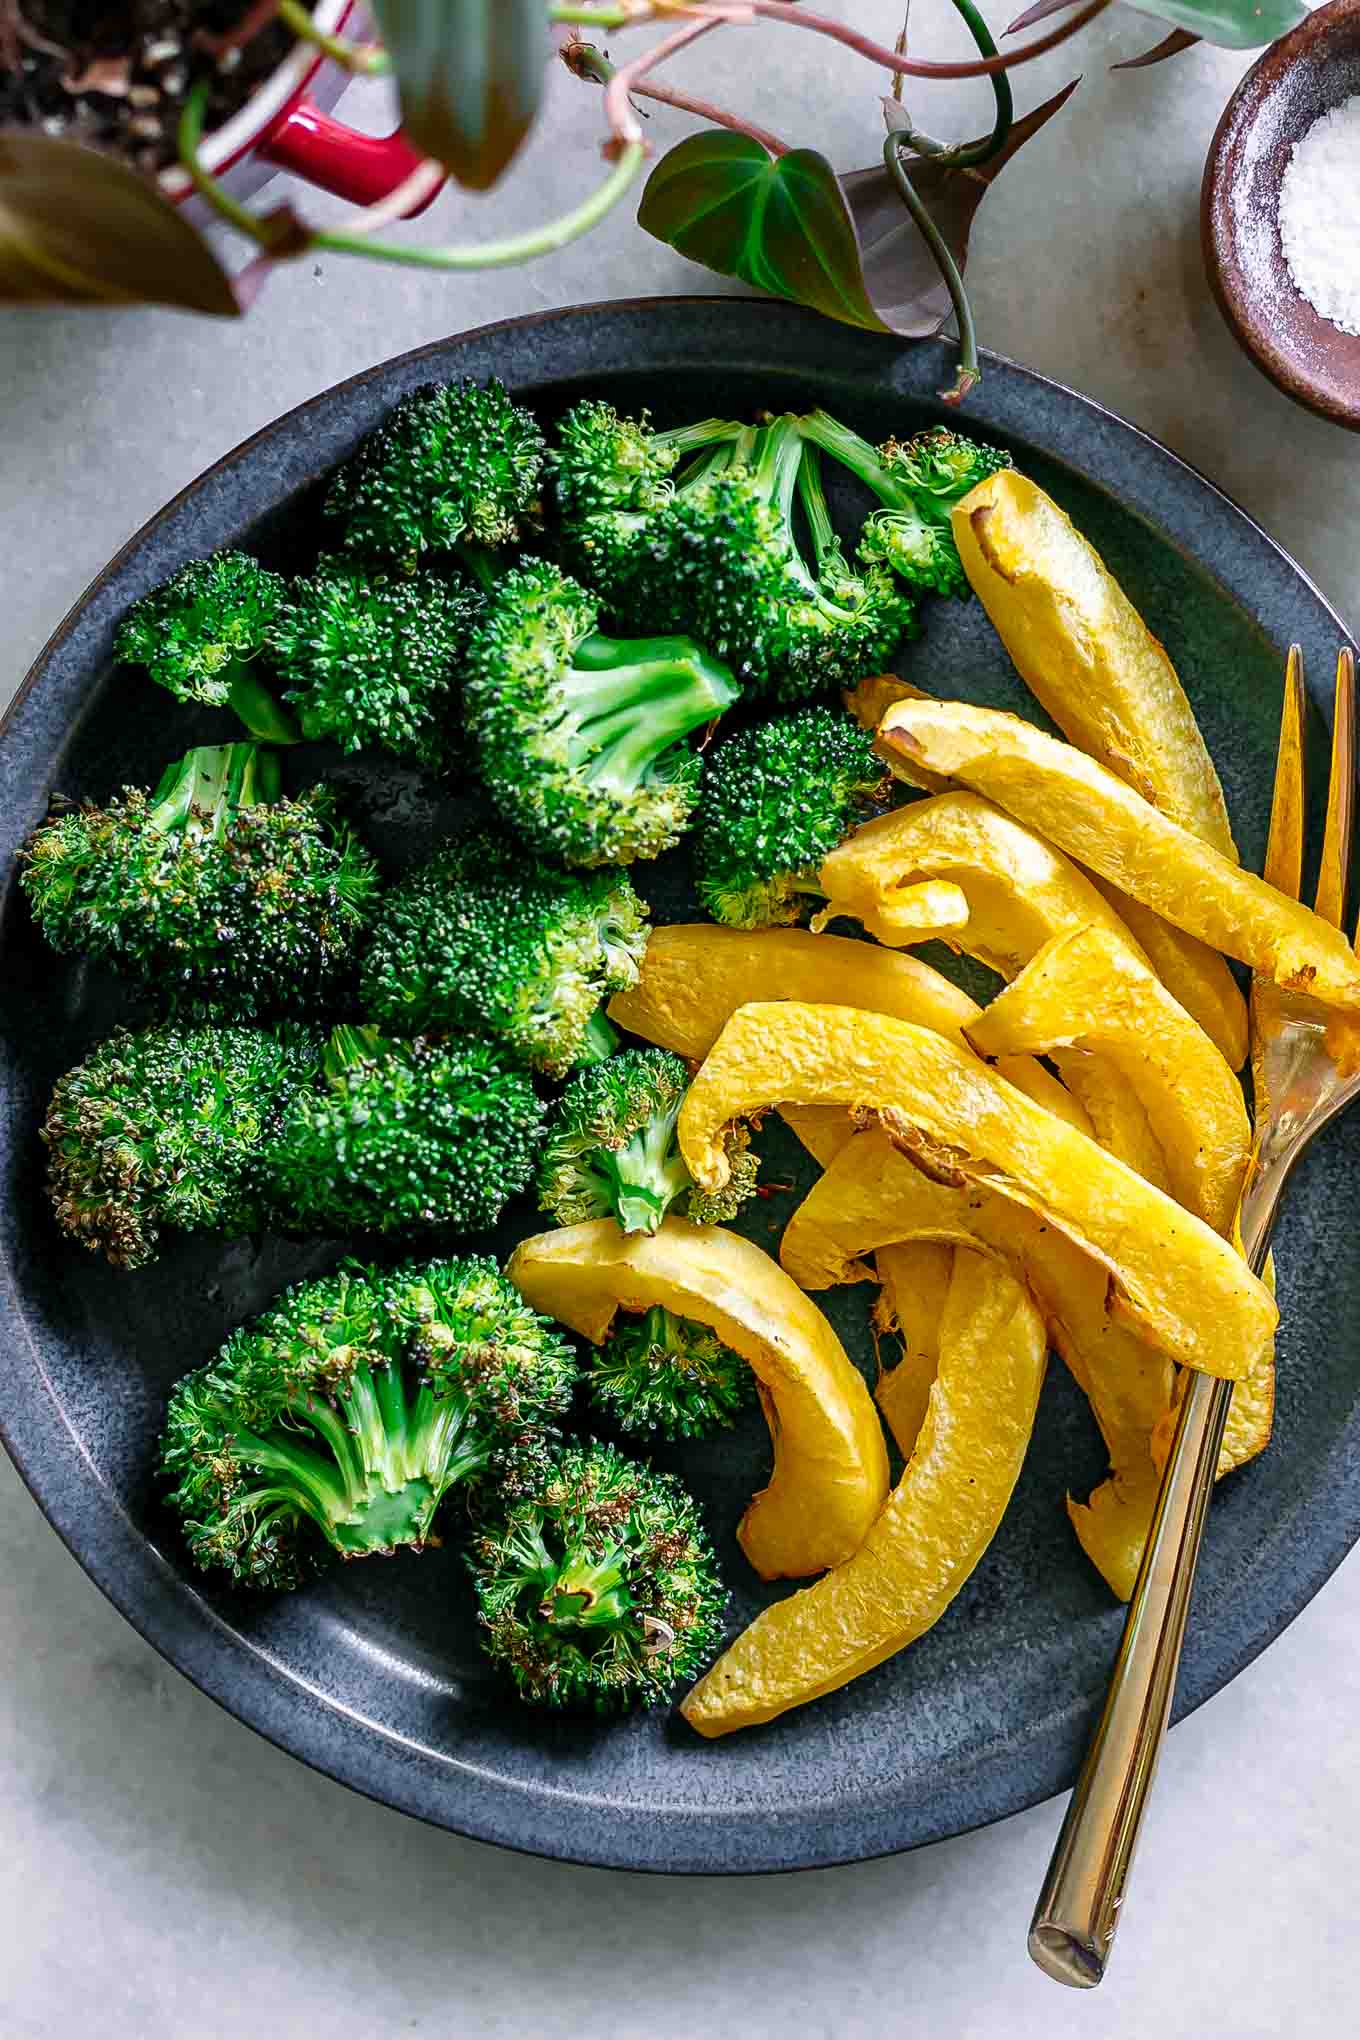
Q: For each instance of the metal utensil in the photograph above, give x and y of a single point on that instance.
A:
(1306, 1069)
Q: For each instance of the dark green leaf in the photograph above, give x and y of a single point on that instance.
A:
(78, 227)
(470, 76)
(781, 222)
(1232, 24)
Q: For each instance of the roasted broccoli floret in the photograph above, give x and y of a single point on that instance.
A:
(612, 1151)
(917, 481)
(200, 632)
(455, 463)
(778, 798)
(600, 1588)
(163, 1129)
(722, 558)
(610, 474)
(340, 1419)
(403, 1134)
(369, 657)
(213, 888)
(581, 736)
(661, 1373)
(482, 939)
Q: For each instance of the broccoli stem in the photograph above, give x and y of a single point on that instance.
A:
(348, 1047)
(675, 685)
(826, 545)
(214, 781)
(856, 454)
(389, 1456)
(586, 1595)
(263, 716)
(599, 1040)
(645, 1175)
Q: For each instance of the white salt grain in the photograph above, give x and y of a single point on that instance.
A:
(1320, 215)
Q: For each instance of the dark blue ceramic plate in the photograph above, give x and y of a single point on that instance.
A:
(374, 1675)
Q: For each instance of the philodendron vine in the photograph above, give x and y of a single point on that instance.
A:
(882, 248)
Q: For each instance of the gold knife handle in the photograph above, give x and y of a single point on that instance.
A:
(1074, 1922)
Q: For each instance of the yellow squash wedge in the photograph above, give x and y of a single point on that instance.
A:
(872, 1194)
(1090, 990)
(1102, 823)
(1196, 976)
(694, 976)
(830, 1465)
(1173, 1278)
(935, 1527)
(1020, 893)
(914, 1281)
(1084, 652)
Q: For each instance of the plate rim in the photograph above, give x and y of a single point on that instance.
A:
(163, 1606)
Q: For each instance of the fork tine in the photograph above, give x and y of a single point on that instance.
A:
(1334, 871)
(1284, 847)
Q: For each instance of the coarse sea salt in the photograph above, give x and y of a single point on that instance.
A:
(1320, 215)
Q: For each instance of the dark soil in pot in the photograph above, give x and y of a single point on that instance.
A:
(116, 73)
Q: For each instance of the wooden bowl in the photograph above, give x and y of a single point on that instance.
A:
(1305, 74)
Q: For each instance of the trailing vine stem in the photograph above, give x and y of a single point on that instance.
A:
(970, 373)
(583, 60)
(968, 155)
(281, 236)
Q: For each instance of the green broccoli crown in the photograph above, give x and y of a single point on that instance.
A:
(724, 556)
(779, 797)
(917, 482)
(665, 1374)
(373, 658)
(612, 1150)
(162, 1130)
(483, 939)
(340, 1419)
(611, 474)
(212, 888)
(600, 1588)
(406, 1134)
(455, 462)
(581, 736)
(199, 631)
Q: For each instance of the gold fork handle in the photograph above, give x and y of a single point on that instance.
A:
(1079, 1903)
(1078, 1910)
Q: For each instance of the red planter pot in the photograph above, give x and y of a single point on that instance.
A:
(288, 124)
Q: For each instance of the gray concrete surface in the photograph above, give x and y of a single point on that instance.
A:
(164, 1875)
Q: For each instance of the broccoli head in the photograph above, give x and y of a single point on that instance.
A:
(213, 888)
(200, 632)
(581, 736)
(163, 1129)
(455, 463)
(610, 474)
(405, 1134)
(599, 1588)
(917, 482)
(612, 1150)
(722, 557)
(373, 658)
(483, 939)
(661, 1373)
(778, 798)
(339, 1420)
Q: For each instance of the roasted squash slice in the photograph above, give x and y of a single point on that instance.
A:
(1084, 651)
(935, 1527)
(1102, 823)
(1181, 1285)
(830, 1465)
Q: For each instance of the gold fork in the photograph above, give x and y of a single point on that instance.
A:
(1306, 1068)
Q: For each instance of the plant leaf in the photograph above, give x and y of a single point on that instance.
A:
(1232, 24)
(899, 273)
(1040, 11)
(470, 77)
(780, 222)
(79, 227)
(1169, 46)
